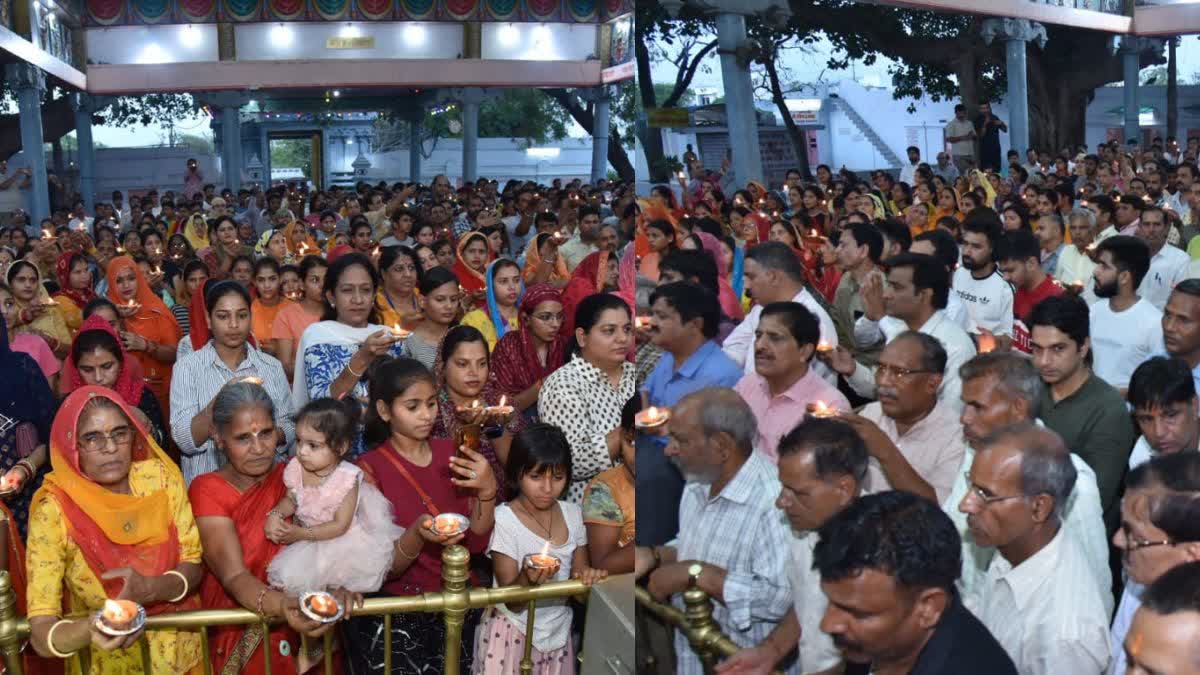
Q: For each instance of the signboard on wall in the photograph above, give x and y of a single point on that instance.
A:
(804, 110)
(661, 118)
(364, 42)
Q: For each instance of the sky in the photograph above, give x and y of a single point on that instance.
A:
(810, 67)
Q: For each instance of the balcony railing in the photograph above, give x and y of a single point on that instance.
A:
(454, 601)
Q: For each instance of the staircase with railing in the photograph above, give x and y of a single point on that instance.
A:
(864, 127)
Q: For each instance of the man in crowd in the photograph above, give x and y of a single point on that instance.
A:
(583, 241)
(822, 465)
(1125, 329)
(1162, 394)
(909, 172)
(1038, 598)
(888, 563)
(728, 524)
(784, 384)
(772, 275)
(1000, 389)
(1087, 412)
(1018, 258)
(402, 223)
(858, 254)
(945, 168)
(1181, 325)
(913, 437)
(1168, 264)
(1075, 266)
(987, 129)
(916, 293)
(987, 296)
(1129, 212)
(1165, 635)
(960, 134)
(1050, 236)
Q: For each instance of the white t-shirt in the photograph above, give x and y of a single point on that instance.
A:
(1168, 267)
(552, 627)
(957, 127)
(989, 301)
(1121, 341)
(517, 242)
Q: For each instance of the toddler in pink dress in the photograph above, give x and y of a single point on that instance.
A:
(342, 534)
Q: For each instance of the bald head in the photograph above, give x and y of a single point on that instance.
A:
(1046, 467)
(720, 410)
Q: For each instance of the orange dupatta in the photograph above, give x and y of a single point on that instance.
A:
(113, 530)
(533, 258)
(469, 279)
(309, 245)
(152, 321)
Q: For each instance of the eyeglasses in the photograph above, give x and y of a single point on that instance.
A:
(95, 441)
(883, 369)
(1133, 544)
(985, 498)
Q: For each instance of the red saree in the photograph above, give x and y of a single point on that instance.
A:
(212, 495)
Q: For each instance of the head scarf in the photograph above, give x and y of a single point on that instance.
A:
(50, 323)
(198, 241)
(588, 279)
(62, 270)
(152, 307)
(25, 394)
(130, 382)
(533, 258)
(515, 362)
(111, 529)
(260, 247)
(493, 311)
(198, 331)
(468, 278)
(309, 245)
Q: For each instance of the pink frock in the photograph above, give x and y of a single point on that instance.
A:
(359, 558)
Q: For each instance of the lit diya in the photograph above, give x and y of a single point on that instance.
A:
(399, 332)
(642, 322)
(543, 560)
(251, 379)
(9, 482)
(320, 606)
(652, 417)
(987, 343)
(121, 617)
(449, 524)
(501, 409)
(824, 347)
(819, 409)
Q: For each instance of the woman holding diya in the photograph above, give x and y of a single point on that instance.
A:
(231, 506)
(151, 334)
(397, 302)
(470, 266)
(36, 312)
(525, 356)
(225, 247)
(111, 521)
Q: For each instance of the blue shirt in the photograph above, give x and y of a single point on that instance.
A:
(708, 366)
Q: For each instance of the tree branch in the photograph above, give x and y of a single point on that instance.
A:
(683, 78)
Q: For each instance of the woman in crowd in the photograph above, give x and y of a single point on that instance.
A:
(131, 241)
(337, 352)
(229, 351)
(816, 216)
(179, 247)
(461, 373)
(440, 300)
(151, 333)
(268, 301)
(299, 242)
(421, 476)
(660, 235)
(584, 398)
(272, 244)
(731, 304)
(98, 358)
(426, 256)
(396, 302)
(499, 314)
(156, 253)
(242, 271)
(473, 254)
(195, 273)
(27, 403)
(543, 264)
(196, 231)
(296, 317)
(596, 273)
(111, 520)
(524, 357)
(223, 249)
(231, 506)
(35, 312)
(74, 275)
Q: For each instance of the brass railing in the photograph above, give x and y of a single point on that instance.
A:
(454, 601)
(695, 621)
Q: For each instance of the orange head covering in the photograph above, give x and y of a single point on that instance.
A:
(533, 258)
(309, 245)
(152, 307)
(651, 210)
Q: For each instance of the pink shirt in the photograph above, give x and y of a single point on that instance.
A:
(779, 415)
(37, 348)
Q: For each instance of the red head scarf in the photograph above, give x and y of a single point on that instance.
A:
(588, 279)
(62, 270)
(152, 309)
(129, 384)
(468, 278)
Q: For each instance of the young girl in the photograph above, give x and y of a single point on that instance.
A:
(342, 534)
(536, 522)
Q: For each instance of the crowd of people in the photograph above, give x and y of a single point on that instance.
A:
(941, 424)
(212, 400)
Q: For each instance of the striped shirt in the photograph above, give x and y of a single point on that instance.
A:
(197, 379)
(741, 532)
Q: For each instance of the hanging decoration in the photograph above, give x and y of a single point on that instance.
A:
(159, 12)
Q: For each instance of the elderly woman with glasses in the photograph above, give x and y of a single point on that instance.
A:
(111, 521)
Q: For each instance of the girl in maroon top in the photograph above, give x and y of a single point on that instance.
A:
(422, 477)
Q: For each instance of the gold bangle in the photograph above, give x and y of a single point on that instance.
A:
(404, 553)
(186, 586)
(356, 375)
(50, 640)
